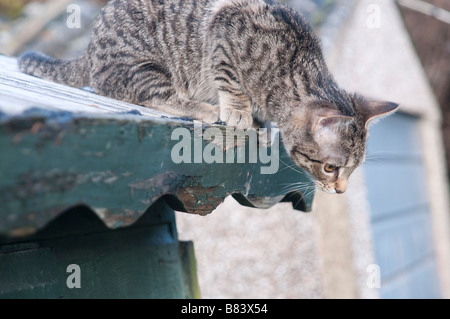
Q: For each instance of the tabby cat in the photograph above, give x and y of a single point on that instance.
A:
(233, 60)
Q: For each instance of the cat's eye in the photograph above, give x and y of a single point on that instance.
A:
(330, 168)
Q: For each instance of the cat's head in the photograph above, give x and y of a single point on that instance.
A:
(328, 144)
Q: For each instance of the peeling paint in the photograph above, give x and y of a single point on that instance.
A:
(39, 182)
(93, 154)
(122, 166)
(110, 180)
(117, 218)
(36, 127)
(198, 200)
(163, 181)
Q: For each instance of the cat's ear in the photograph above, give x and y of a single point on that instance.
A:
(375, 110)
(327, 126)
(331, 120)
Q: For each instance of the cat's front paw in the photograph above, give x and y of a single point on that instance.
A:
(211, 114)
(238, 118)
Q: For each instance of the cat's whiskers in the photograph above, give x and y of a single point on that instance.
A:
(305, 188)
(302, 187)
(290, 189)
(297, 191)
(293, 167)
(287, 166)
(299, 184)
(305, 195)
(379, 156)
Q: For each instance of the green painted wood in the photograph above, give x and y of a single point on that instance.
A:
(142, 261)
(117, 165)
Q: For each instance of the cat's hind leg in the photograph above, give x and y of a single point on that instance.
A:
(185, 108)
(156, 90)
(149, 84)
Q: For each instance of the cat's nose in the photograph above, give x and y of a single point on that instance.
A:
(341, 187)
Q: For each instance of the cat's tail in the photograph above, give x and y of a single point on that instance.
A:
(72, 73)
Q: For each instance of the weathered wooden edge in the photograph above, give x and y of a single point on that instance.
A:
(119, 166)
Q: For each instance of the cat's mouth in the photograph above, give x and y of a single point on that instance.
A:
(330, 189)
